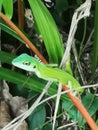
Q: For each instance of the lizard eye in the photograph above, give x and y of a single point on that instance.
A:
(26, 63)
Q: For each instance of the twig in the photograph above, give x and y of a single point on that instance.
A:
(57, 104)
(64, 126)
(78, 64)
(81, 12)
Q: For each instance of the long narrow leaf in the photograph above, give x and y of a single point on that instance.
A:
(6, 57)
(5, 28)
(95, 46)
(31, 83)
(8, 8)
(1, 1)
(47, 28)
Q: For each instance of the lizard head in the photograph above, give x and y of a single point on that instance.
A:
(26, 62)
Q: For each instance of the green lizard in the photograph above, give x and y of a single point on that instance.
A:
(43, 71)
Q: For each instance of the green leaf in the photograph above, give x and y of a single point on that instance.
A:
(1, 1)
(19, 78)
(7, 29)
(34, 83)
(48, 127)
(97, 122)
(6, 57)
(95, 45)
(20, 90)
(37, 118)
(73, 112)
(88, 102)
(8, 8)
(48, 30)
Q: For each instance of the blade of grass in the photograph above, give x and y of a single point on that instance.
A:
(7, 29)
(6, 57)
(8, 8)
(1, 1)
(31, 83)
(95, 45)
(48, 30)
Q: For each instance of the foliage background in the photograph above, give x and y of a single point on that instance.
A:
(86, 48)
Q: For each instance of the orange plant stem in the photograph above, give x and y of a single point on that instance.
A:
(81, 109)
(75, 100)
(23, 37)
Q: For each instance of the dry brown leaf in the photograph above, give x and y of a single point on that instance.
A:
(5, 117)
